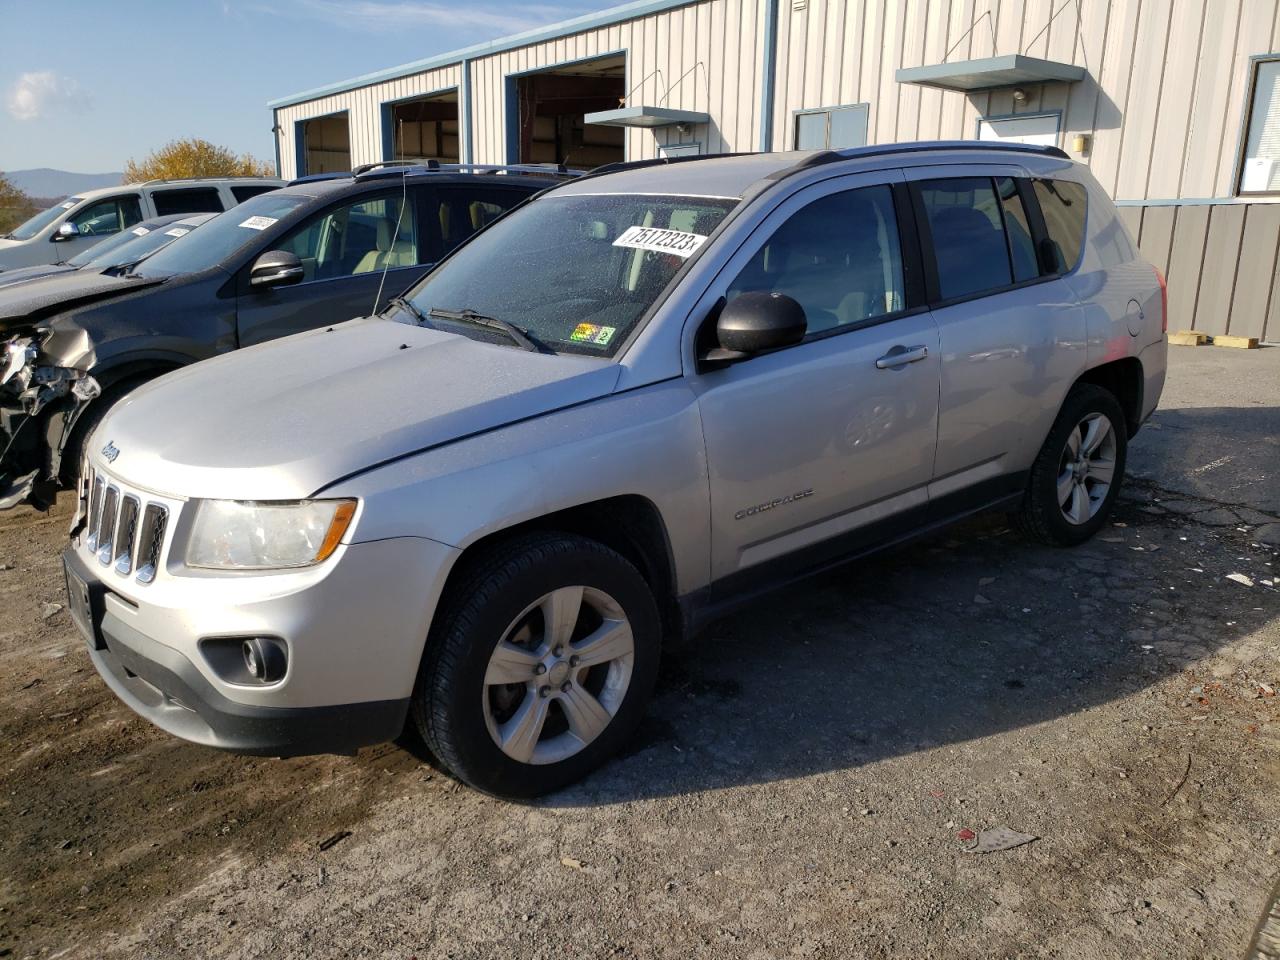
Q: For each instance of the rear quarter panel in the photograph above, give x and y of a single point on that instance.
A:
(1120, 295)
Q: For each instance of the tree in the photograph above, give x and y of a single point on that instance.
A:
(193, 157)
(15, 206)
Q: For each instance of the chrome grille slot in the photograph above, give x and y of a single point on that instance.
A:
(107, 527)
(150, 541)
(95, 512)
(126, 534)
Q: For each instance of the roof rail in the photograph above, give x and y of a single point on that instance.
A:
(148, 183)
(317, 177)
(391, 168)
(821, 157)
(366, 167)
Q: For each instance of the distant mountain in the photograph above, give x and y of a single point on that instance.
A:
(44, 182)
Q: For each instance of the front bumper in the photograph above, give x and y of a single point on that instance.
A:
(353, 656)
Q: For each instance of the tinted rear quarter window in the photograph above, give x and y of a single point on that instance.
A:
(243, 193)
(188, 200)
(966, 221)
(1065, 208)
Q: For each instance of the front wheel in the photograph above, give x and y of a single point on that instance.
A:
(1076, 476)
(539, 666)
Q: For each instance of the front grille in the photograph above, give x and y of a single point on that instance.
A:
(125, 530)
(150, 541)
(107, 524)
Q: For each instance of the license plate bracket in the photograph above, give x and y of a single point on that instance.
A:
(85, 613)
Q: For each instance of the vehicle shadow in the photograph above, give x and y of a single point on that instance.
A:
(972, 633)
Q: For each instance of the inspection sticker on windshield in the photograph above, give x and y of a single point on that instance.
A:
(140, 231)
(592, 333)
(258, 223)
(179, 232)
(661, 241)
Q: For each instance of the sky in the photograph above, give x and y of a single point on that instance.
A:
(86, 85)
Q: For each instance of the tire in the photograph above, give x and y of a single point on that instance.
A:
(462, 703)
(74, 449)
(1056, 471)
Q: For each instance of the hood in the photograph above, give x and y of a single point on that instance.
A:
(27, 274)
(282, 420)
(5, 244)
(25, 303)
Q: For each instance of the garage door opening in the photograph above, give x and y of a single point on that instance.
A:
(326, 144)
(550, 106)
(425, 128)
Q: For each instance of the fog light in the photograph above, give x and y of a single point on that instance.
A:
(264, 659)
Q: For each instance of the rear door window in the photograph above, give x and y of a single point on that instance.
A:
(966, 221)
(187, 200)
(459, 211)
(1064, 205)
(1017, 228)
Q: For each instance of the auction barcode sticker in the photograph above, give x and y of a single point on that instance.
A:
(258, 223)
(661, 241)
(179, 232)
(140, 231)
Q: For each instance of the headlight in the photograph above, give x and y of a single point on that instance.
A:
(236, 535)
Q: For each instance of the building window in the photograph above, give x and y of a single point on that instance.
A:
(1260, 171)
(832, 128)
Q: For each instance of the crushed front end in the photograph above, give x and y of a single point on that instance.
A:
(44, 387)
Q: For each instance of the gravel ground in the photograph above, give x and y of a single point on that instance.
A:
(802, 787)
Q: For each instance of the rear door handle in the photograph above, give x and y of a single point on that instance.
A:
(900, 356)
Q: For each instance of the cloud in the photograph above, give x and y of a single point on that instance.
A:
(384, 16)
(42, 92)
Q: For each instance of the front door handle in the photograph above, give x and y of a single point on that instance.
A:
(900, 356)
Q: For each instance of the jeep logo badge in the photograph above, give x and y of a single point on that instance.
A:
(111, 451)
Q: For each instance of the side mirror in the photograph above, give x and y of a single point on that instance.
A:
(276, 268)
(68, 231)
(752, 323)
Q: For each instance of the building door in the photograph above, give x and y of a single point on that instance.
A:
(1039, 130)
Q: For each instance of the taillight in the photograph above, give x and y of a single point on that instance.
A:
(1164, 301)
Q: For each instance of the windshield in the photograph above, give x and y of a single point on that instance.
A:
(119, 248)
(43, 219)
(220, 237)
(576, 272)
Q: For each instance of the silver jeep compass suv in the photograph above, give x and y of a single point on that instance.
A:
(629, 403)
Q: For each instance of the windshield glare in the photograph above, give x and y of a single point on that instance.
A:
(220, 237)
(43, 219)
(576, 272)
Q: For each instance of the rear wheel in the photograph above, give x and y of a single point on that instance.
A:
(539, 666)
(1076, 477)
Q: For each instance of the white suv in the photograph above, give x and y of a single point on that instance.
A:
(77, 223)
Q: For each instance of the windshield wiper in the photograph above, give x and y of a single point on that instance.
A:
(408, 306)
(520, 337)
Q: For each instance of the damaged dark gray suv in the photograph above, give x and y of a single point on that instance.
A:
(320, 251)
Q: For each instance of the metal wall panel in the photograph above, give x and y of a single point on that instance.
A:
(1256, 277)
(1218, 270)
(364, 114)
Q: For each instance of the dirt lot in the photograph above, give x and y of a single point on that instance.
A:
(798, 789)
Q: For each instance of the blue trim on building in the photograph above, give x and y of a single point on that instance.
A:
(465, 115)
(275, 135)
(591, 21)
(767, 78)
(1243, 200)
(299, 149)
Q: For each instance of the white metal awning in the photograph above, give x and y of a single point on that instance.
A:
(645, 117)
(1011, 70)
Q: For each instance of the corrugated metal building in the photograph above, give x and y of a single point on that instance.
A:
(1175, 104)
